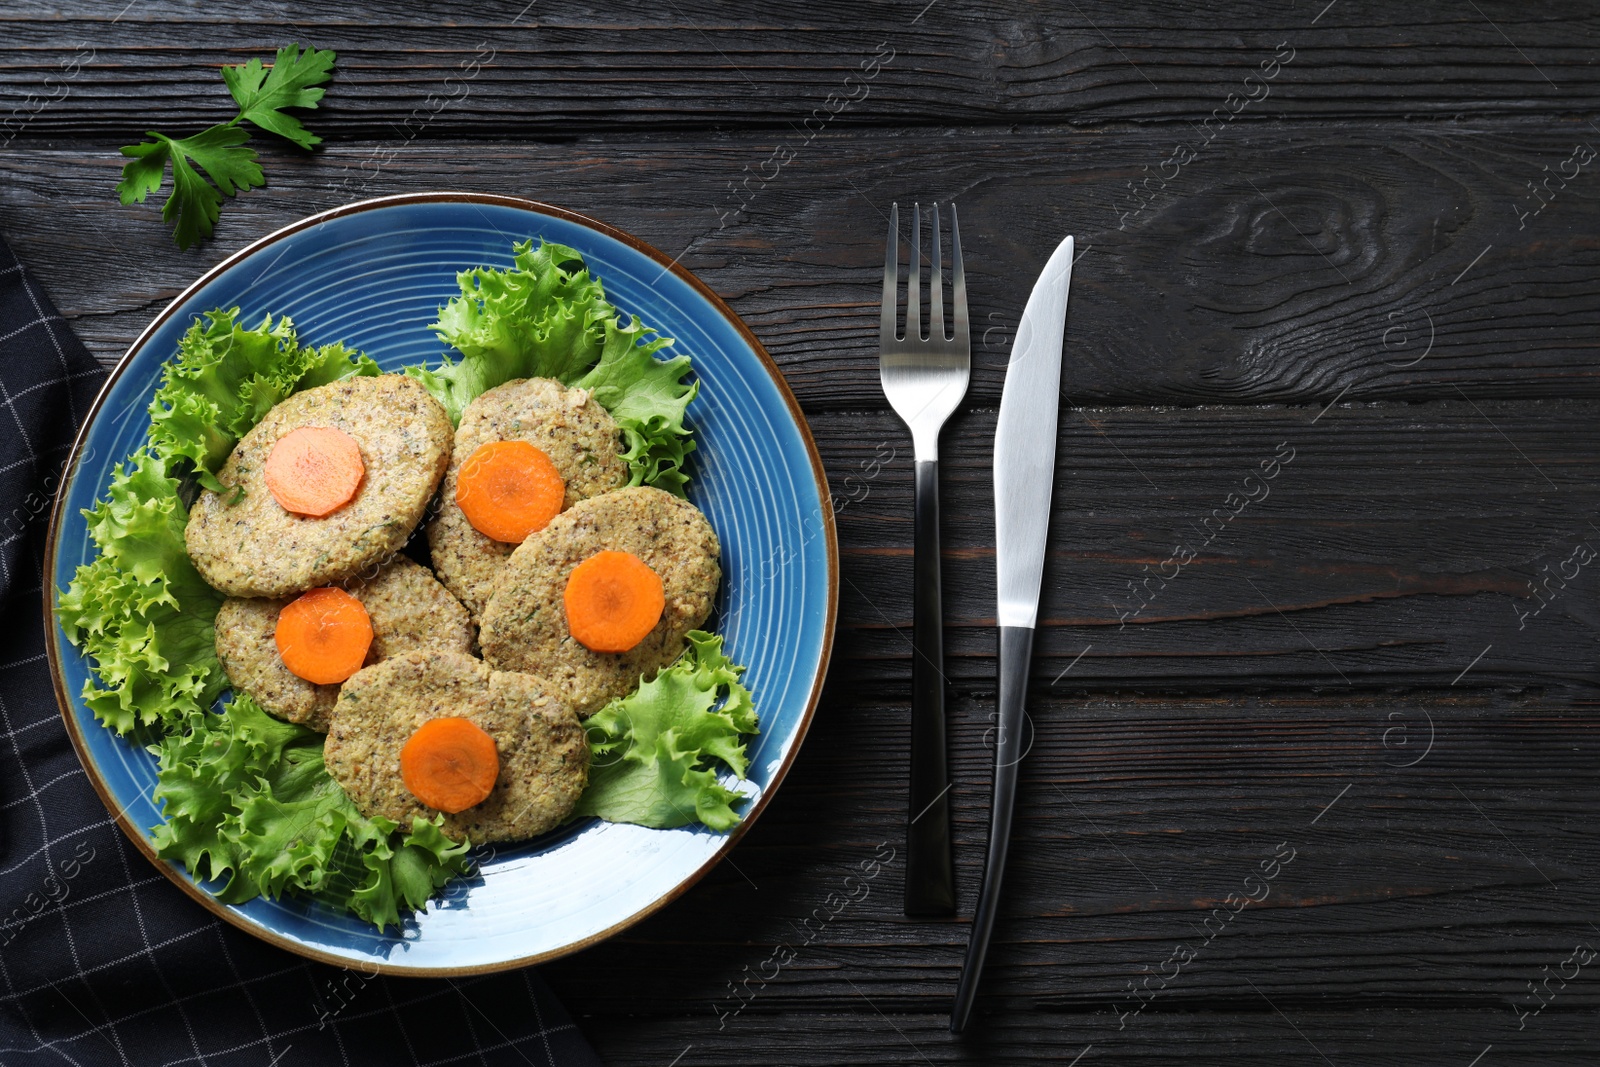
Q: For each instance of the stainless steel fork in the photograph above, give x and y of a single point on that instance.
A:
(924, 379)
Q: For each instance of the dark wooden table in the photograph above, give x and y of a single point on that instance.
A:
(1362, 235)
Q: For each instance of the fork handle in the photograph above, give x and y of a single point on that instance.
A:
(930, 879)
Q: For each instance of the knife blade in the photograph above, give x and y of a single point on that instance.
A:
(1024, 442)
(1024, 474)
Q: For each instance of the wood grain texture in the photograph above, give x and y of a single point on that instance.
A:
(1392, 548)
(600, 66)
(1364, 263)
(1382, 656)
(1373, 1037)
(1456, 879)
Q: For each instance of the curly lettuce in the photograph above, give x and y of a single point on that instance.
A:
(248, 801)
(537, 319)
(655, 753)
(647, 398)
(546, 316)
(140, 610)
(227, 376)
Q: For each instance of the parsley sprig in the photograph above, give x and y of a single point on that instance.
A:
(262, 92)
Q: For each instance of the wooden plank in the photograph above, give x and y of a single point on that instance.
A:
(1382, 262)
(533, 69)
(1351, 666)
(1436, 853)
(1374, 1037)
(1367, 546)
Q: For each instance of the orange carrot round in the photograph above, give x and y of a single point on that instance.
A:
(323, 635)
(613, 601)
(449, 764)
(314, 470)
(509, 489)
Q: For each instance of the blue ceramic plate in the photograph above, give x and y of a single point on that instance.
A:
(374, 275)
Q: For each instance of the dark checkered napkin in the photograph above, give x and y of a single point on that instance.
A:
(102, 959)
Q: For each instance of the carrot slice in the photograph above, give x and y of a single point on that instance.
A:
(613, 601)
(323, 635)
(314, 470)
(449, 764)
(509, 489)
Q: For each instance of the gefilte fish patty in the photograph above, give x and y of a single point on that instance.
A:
(254, 548)
(544, 756)
(568, 425)
(409, 610)
(524, 627)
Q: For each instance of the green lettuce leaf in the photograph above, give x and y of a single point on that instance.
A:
(226, 377)
(541, 318)
(140, 609)
(648, 398)
(248, 801)
(654, 753)
(547, 317)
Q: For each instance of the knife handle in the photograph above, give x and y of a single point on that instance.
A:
(1016, 650)
(930, 878)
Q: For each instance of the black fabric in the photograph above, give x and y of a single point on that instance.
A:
(102, 959)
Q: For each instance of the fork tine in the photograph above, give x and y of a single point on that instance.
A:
(914, 282)
(936, 286)
(891, 294)
(958, 282)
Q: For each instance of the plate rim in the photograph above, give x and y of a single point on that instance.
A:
(52, 543)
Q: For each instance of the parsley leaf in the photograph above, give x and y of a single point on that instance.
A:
(194, 203)
(261, 92)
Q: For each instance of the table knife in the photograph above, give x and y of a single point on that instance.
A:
(1024, 472)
